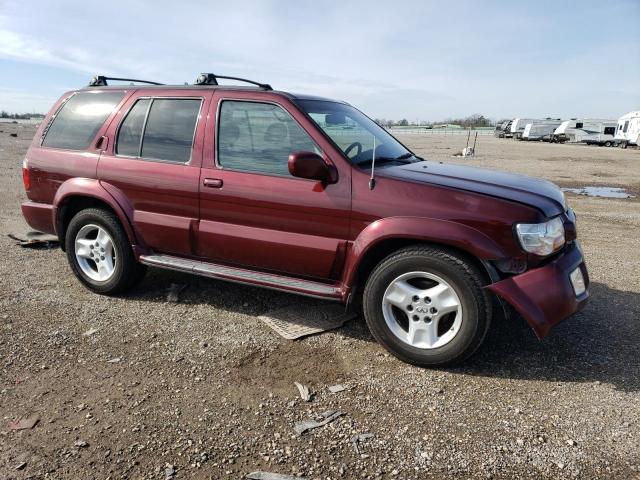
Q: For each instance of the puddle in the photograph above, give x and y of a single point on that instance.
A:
(607, 192)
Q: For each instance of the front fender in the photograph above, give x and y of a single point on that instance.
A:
(91, 188)
(420, 229)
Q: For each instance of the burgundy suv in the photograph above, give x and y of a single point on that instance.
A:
(299, 194)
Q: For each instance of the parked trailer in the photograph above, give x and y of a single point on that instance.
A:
(501, 128)
(540, 130)
(519, 124)
(507, 130)
(592, 131)
(628, 130)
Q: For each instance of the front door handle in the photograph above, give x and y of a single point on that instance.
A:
(212, 182)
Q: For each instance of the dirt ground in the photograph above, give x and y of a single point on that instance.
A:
(135, 387)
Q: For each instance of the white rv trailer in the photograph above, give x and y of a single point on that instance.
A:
(591, 131)
(518, 125)
(540, 130)
(628, 131)
(507, 129)
(501, 128)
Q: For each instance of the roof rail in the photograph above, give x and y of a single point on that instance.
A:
(101, 81)
(211, 79)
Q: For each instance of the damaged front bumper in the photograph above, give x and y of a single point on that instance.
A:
(549, 294)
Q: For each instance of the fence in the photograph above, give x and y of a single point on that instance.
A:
(24, 121)
(439, 131)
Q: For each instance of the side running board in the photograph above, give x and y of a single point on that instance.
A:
(248, 277)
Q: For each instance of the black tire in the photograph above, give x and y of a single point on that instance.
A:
(607, 144)
(466, 280)
(127, 271)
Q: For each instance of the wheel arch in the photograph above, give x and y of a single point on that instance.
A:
(386, 236)
(78, 194)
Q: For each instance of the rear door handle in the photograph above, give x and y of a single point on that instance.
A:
(212, 182)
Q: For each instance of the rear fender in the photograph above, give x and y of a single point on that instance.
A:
(92, 188)
(419, 229)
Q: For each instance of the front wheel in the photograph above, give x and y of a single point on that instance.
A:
(100, 253)
(427, 306)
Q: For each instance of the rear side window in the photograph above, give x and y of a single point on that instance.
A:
(130, 132)
(76, 124)
(609, 130)
(166, 126)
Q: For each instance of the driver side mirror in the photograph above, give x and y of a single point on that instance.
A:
(312, 166)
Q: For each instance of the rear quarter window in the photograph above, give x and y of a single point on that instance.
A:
(76, 124)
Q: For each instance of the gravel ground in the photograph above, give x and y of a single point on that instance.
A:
(136, 387)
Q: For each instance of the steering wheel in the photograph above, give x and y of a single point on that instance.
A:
(351, 147)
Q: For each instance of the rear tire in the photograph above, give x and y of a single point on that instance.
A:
(445, 338)
(100, 254)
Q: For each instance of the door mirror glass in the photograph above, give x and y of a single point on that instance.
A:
(312, 166)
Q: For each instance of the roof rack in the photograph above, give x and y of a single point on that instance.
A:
(211, 79)
(101, 81)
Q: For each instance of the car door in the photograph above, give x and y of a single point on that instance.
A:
(152, 166)
(253, 213)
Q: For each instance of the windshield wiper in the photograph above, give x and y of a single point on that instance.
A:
(401, 159)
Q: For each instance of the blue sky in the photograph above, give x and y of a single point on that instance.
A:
(414, 59)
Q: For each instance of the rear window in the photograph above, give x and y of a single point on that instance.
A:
(159, 129)
(76, 124)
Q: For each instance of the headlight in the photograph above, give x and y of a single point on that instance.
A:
(541, 238)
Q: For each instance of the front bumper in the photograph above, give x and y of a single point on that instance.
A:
(545, 296)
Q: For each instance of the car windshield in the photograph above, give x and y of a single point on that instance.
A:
(356, 134)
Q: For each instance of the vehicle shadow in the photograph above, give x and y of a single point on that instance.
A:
(601, 343)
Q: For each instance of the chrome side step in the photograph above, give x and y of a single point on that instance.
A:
(247, 277)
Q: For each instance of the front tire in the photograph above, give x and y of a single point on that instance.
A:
(100, 254)
(427, 306)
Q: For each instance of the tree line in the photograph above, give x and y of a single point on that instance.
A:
(475, 120)
(20, 116)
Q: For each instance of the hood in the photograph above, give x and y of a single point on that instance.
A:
(540, 194)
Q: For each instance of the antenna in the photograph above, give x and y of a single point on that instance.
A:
(372, 180)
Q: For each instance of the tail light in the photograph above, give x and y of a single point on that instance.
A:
(26, 179)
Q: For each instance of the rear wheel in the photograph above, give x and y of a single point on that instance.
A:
(427, 306)
(100, 253)
(607, 144)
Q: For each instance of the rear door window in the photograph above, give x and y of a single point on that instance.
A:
(159, 129)
(76, 124)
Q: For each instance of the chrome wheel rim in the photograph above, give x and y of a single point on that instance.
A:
(422, 310)
(95, 253)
